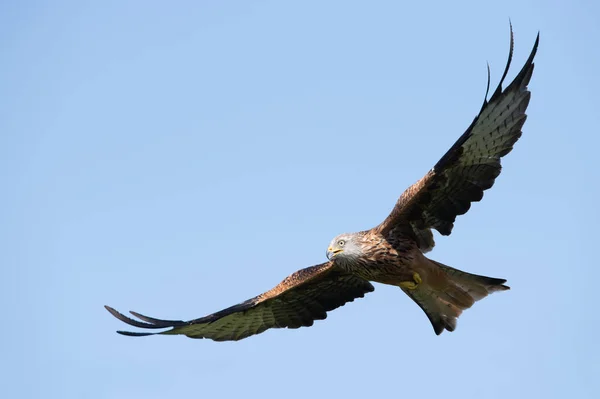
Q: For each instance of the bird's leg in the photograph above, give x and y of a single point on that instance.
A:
(411, 285)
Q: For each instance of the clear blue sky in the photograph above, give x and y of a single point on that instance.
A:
(177, 159)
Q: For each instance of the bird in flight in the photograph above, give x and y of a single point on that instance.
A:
(394, 251)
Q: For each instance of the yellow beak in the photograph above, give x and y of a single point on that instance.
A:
(331, 252)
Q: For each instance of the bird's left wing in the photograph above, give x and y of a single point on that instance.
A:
(469, 167)
(300, 299)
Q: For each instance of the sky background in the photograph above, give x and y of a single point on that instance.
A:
(175, 158)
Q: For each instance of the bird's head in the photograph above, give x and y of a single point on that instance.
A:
(343, 246)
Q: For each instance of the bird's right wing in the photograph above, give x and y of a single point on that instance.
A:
(300, 299)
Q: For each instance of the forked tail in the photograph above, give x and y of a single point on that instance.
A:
(446, 292)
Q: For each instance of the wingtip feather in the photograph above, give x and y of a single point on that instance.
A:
(134, 334)
(129, 320)
(498, 90)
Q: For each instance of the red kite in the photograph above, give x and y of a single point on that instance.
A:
(393, 252)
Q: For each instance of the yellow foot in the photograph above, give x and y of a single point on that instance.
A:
(411, 285)
(417, 278)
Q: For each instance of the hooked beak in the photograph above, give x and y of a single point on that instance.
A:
(331, 252)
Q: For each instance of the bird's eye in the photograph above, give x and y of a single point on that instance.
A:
(341, 243)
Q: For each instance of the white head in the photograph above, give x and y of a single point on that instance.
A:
(344, 246)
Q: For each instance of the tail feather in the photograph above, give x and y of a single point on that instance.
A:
(440, 313)
(446, 292)
(475, 285)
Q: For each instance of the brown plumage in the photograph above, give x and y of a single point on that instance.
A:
(393, 252)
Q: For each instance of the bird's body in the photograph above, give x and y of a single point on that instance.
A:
(393, 252)
(395, 259)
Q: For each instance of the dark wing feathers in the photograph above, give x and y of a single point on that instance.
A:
(469, 167)
(299, 300)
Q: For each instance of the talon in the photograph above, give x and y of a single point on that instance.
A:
(411, 285)
(417, 278)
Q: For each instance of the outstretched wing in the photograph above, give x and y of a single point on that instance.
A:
(468, 168)
(300, 299)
